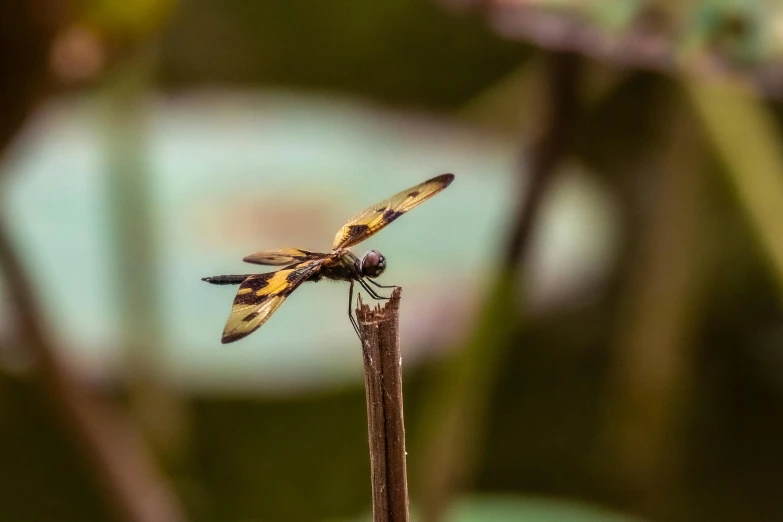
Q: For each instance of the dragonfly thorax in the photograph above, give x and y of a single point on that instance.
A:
(373, 264)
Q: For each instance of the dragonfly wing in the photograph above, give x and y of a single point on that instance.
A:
(373, 219)
(260, 295)
(281, 256)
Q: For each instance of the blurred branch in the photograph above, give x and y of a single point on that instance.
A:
(653, 354)
(125, 472)
(383, 385)
(454, 419)
(747, 140)
(707, 39)
(117, 456)
(27, 30)
(132, 239)
(546, 151)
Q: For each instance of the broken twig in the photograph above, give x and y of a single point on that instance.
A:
(379, 328)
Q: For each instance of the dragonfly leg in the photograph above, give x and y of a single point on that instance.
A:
(380, 285)
(350, 311)
(372, 292)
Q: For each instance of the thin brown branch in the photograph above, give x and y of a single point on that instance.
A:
(379, 328)
(542, 157)
(124, 469)
(28, 30)
(651, 41)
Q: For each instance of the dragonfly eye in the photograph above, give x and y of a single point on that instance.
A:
(373, 264)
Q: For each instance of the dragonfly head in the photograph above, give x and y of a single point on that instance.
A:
(373, 264)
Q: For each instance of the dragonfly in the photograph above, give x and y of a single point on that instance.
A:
(260, 295)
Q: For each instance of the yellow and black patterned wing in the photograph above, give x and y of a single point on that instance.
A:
(260, 295)
(282, 256)
(371, 220)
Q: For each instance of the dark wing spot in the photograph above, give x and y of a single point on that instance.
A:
(445, 179)
(249, 298)
(250, 317)
(413, 194)
(258, 282)
(391, 215)
(230, 338)
(255, 284)
(357, 230)
(293, 276)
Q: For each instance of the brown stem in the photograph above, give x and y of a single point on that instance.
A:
(547, 149)
(126, 473)
(28, 30)
(646, 42)
(379, 328)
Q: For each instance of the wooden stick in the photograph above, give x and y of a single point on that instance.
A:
(379, 328)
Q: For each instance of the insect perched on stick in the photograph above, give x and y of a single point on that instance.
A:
(259, 295)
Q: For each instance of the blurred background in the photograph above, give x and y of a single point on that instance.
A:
(592, 322)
